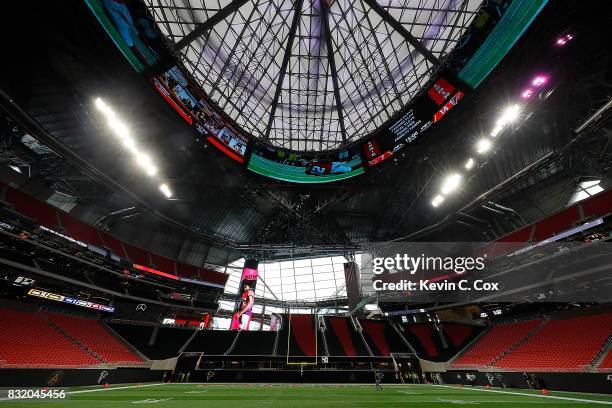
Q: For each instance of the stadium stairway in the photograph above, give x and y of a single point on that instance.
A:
(74, 341)
(96, 338)
(468, 346)
(522, 341)
(123, 341)
(233, 345)
(603, 359)
(360, 330)
(566, 344)
(493, 343)
(606, 364)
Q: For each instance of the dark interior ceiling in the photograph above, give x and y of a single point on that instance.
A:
(65, 60)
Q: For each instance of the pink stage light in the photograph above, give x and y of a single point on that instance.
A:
(539, 80)
(561, 41)
(527, 93)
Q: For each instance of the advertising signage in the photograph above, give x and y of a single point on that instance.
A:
(424, 112)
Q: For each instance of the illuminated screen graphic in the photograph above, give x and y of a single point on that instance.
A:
(131, 29)
(186, 99)
(422, 113)
(241, 318)
(302, 168)
(70, 300)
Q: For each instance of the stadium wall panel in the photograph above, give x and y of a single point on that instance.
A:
(76, 377)
(577, 382)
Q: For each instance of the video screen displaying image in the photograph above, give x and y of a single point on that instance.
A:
(424, 112)
(132, 29)
(241, 319)
(178, 91)
(295, 167)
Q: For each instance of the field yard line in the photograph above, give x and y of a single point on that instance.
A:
(114, 388)
(530, 395)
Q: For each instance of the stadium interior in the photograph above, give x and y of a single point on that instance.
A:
(279, 202)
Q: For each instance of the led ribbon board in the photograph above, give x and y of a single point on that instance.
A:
(155, 272)
(506, 33)
(423, 112)
(70, 300)
(296, 167)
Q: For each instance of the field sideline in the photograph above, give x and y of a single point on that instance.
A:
(310, 395)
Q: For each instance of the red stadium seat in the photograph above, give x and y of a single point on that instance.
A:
(495, 342)
(93, 335)
(606, 364)
(569, 344)
(27, 340)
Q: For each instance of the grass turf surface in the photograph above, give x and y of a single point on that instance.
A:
(319, 396)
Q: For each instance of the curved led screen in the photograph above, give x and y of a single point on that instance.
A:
(295, 167)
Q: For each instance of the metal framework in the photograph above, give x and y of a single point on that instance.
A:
(312, 75)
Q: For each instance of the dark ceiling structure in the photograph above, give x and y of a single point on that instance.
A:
(221, 212)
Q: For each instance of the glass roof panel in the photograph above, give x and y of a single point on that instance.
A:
(337, 76)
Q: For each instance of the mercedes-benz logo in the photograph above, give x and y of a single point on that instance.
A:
(141, 307)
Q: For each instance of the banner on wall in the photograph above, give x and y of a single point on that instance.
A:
(246, 296)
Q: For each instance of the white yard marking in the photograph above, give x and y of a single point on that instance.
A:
(151, 401)
(459, 402)
(114, 388)
(532, 395)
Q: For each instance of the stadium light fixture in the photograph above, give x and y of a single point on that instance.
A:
(539, 80)
(129, 144)
(484, 145)
(527, 93)
(165, 190)
(496, 131)
(145, 161)
(451, 183)
(119, 128)
(102, 106)
(469, 164)
(437, 200)
(510, 115)
(564, 39)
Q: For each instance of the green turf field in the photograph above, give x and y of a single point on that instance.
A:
(319, 396)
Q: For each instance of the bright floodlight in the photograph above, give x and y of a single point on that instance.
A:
(496, 131)
(129, 144)
(143, 159)
(484, 146)
(101, 105)
(527, 93)
(17, 169)
(151, 170)
(451, 183)
(437, 200)
(104, 108)
(469, 164)
(510, 115)
(120, 129)
(539, 80)
(165, 190)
